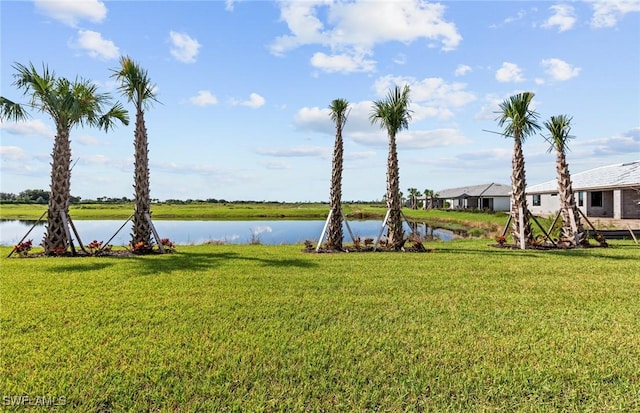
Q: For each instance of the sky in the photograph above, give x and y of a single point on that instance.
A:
(243, 90)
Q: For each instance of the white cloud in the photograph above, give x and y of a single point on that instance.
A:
(31, 127)
(346, 63)
(430, 97)
(491, 107)
(314, 119)
(519, 16)
(96, 46)
(12, 153)
(95, 160)
(87, 140)
(413, 139)
(509, 72)
(300, 151)
(559, 69)
(71, 12)
(563, 17)
(351, 29)
(276, 165)
(462, 70)
(431, 138)
(184, 48)
(606, 13)
(400, 59)
(203, 98)
(255, 101)
(623, 143)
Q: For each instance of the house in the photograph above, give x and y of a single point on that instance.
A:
(611, 191)
(492, 197)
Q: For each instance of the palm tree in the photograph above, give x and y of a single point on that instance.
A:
(413, 197)
(572, 231)
(137, 87)
(428, 198)
(339, 116)
(393, 114)
(519, 122)
(69, 103)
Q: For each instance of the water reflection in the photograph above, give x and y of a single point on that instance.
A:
(272, 232)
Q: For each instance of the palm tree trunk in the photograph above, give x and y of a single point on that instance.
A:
(335, 236)
(396, 235)
(141, 228)
(55, 237)
(518, 187)
(568, 205)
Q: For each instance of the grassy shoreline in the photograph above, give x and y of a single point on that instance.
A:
(250, 211)
(269, 328)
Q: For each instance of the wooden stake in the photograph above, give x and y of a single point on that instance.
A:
(29, 232)
(324, 230)
(542, 229)
(353, 239)
(632, 234)
(65, 223)
(155, 233)
(384, 224)
(75, 231)
(506, 227)
(114, 235)
(521, 222)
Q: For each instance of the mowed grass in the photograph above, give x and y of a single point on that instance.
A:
(465, 327)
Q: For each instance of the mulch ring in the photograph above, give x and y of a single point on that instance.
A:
(415, 247)
(81, 254)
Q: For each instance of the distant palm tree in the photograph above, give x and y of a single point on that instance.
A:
(137, 87)
(413, 197)
(393, 114)
(69, 103)
(559, 128)
(428, 198)
(519, 122)
(339, 114)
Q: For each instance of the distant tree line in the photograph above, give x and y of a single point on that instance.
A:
(41, 196)
(31, 196)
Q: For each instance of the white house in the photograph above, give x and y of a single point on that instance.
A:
(611, 191)
(492, 197)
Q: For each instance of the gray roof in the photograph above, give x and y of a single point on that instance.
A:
(485, 190)
(621, 175)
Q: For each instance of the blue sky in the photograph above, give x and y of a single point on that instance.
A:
(244, 88)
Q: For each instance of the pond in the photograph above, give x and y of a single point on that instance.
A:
(272, 232)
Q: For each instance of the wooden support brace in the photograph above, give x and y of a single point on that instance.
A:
(114, 235)
(324, 230)
(155, 233)
(344, 217)
(29, 232)
(384, 224)
(65, 224)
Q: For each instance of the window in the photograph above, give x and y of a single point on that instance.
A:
(596, 199)
(536, 199)
(580, 198)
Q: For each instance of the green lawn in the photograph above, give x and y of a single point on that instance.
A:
(268, 328)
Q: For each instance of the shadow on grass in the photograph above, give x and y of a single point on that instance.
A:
(592, 252)
(198, 261)
(79, 267)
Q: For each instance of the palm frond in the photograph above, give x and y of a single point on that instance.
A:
(13, 111)
(559, 128)
(135, 83)
(339, 108)
(116, 113)
(518, 120)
